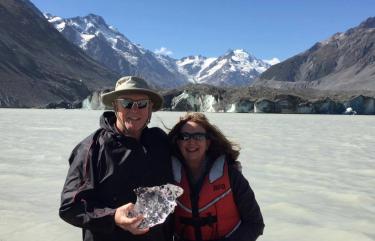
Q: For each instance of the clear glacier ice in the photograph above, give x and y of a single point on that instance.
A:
(155, 203)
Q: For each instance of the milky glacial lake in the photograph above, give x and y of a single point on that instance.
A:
(313, 175)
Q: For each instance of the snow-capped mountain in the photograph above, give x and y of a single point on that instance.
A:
(110, 47)
(235, 68)
(192, 66)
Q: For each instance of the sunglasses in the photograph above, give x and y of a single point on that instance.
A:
(198, 136)
(129, 103)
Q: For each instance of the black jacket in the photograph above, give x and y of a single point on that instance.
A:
(252, 220)
(104, 169)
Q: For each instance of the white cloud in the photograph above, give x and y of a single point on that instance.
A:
(272, 61)
(163, 51)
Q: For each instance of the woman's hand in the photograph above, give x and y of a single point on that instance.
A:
(123, 220)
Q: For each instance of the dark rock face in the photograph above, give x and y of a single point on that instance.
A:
(286, 104)
(244, 106)
(305, 108)
(168, 97)
(361, 105)
(184, 105)
(344, 62)
(64, 105)
(264, 106)
(38, 66)
(328, 106)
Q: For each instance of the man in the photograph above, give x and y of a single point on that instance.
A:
(123, 154)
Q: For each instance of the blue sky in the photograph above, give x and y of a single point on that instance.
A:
(266, 29)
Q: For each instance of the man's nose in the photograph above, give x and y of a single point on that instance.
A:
(134, 107)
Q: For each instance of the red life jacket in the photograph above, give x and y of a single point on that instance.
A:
(213, 214)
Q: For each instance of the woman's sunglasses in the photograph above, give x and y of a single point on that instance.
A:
(198, 136)
(129, 103)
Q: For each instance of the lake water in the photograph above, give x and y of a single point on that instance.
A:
(313, 175)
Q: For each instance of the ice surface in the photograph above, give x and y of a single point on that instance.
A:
(313, 175)
(155, 203)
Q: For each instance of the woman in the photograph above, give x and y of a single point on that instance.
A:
(218, 203)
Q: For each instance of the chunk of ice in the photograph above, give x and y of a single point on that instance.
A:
(155, 203)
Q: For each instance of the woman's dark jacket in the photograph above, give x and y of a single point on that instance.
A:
(252, 220)
(104, 169)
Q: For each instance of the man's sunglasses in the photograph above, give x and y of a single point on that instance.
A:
(129, 103)
(198, 136)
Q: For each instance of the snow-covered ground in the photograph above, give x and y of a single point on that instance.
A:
(313, 175)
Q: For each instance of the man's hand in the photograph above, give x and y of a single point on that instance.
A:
(129, 224)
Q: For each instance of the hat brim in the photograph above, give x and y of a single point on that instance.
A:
(157, 100)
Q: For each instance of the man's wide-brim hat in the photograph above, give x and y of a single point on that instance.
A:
(132, 85)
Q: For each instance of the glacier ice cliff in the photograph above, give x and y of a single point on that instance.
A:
(215, 100)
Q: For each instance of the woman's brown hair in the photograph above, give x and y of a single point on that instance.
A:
(220, 145)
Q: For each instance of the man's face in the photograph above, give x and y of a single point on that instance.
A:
(132, 115)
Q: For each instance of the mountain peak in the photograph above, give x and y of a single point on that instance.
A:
(238, 55)
(242, 54)
(240, 51)
(368, 23)
(96, 19)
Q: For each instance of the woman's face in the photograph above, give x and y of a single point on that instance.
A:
(193, 143)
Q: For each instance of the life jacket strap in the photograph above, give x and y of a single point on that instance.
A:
(198, 221)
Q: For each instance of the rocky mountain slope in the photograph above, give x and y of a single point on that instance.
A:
(344, 63)
(38, 65)
(111, 48)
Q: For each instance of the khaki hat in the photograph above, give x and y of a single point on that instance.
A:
(132, 85)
